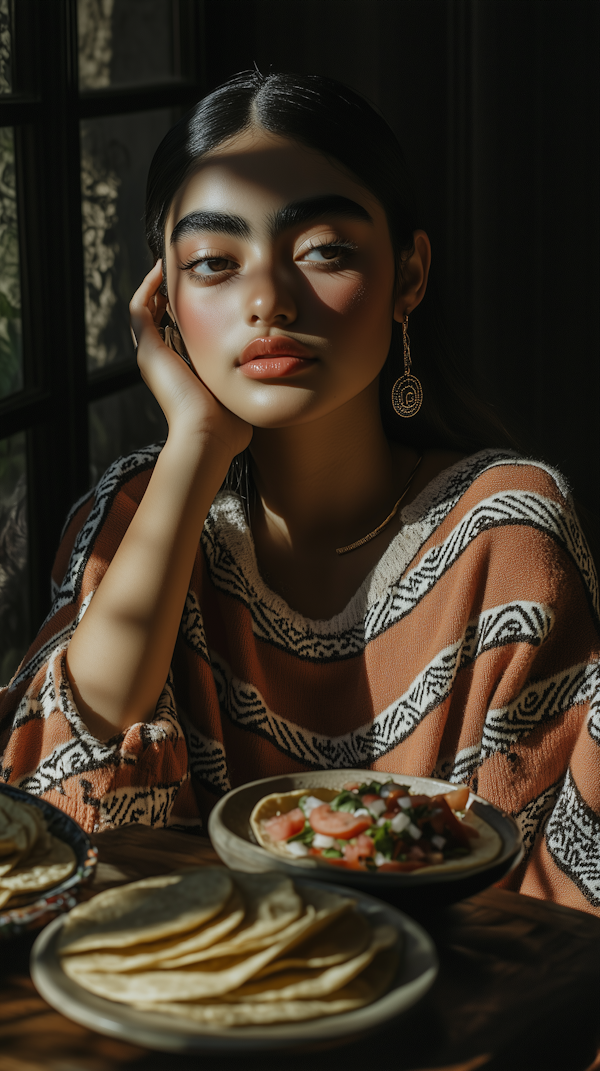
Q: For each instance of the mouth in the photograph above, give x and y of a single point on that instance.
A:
(274, 358)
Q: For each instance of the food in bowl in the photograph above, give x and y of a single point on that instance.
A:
(376, 827)
(31, 858)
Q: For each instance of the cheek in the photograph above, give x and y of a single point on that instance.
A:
(202, 318)
(358, 310)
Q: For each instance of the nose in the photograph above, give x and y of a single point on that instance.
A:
(270, 299)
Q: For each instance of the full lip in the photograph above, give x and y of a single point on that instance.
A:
(275, 346)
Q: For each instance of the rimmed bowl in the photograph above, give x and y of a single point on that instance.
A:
(51, 902)
(233, 840)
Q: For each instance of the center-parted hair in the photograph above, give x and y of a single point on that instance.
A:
(327, 116)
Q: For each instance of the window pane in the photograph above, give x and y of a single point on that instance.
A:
(121, 423)
(11, 362)
(125, 43)
(14, 614)
(115, 156)
(6, 46)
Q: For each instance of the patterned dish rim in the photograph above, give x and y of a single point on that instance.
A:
(63, 896)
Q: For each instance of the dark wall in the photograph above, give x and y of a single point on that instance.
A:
(496, 104)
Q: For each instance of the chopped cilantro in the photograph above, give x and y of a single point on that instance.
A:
(346, 801)
(332, 853)
(371, 788)
(305, 836)
(382, 839)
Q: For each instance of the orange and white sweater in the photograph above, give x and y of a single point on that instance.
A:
(471, 651)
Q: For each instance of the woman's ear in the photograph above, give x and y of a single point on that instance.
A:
(415, 272)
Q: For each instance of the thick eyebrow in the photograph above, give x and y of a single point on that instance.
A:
(215, 222)
(314, 208)
(292, 215)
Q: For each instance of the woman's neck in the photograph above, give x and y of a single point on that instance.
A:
(328, 482)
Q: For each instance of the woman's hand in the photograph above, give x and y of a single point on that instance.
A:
(186, 402)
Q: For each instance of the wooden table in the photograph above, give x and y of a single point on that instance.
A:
(518, 990)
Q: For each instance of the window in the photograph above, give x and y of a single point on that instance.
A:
(87, 90)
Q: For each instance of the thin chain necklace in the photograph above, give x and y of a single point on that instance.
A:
(384, 524)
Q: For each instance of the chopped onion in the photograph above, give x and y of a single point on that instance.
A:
(404, 801)
(414, 831)
(320, 840)
(310, 803)
(362, 810)
(380, 859)
(438, 842)
(399, 822)
(297, 848)
(377, 807)
(381, 822)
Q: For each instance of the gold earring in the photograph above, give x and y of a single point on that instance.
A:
(172, 338)
(407, 392)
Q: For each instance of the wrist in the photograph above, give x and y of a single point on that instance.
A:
(199, 447)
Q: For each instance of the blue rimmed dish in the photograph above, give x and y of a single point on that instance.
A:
(46, 905)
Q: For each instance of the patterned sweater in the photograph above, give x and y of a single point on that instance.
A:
(471, 651)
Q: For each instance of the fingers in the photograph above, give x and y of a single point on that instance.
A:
(147, 306)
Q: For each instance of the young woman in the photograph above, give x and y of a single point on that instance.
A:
(334, 560)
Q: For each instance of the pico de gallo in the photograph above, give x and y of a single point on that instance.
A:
(374, 826)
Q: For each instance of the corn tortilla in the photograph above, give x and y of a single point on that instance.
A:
(49, 863)
(214, 976)
(362, 990)
(347, 937)
(147, 910)
(298, 984)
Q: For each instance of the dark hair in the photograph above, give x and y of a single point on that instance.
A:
(331, 118)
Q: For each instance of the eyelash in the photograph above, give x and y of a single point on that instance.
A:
(347, 249)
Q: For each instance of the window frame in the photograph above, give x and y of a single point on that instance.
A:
(45, 109)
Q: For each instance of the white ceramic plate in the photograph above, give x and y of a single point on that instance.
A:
(416, 973)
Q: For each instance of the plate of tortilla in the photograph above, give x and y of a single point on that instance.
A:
(413, 841)
(45, 859)
(210, 959)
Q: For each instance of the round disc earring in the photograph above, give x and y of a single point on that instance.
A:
(407, 392)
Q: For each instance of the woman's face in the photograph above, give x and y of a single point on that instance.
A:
(281, 279)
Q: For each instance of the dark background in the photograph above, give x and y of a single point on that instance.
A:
(496, 105)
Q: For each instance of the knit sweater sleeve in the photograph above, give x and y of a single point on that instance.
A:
(139, 775)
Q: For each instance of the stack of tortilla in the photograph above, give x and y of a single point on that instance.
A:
(31, 858)
(228, 949)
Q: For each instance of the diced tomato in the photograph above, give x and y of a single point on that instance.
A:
(400, 867)
(418, 801)
(284, 826)
(370, 797)
(400, 848)
(340, 824)
(456, 828)
(390, 813)
(362, 848)
(351, 786)
(416, 854)
(396, 794)
(347, 864)
(458, 799)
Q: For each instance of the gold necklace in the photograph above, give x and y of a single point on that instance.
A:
(384, 524)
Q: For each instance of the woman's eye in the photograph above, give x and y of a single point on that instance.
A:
(323, 254)
(212, 266)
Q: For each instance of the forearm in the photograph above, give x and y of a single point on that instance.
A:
(120, 653)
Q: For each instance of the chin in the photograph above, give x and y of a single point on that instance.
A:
(291, 407)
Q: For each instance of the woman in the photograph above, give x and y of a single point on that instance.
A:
(382, 588)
